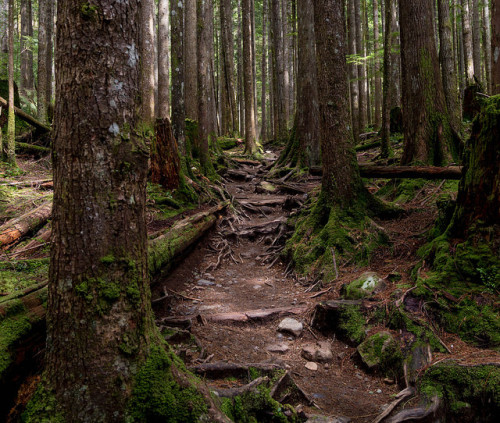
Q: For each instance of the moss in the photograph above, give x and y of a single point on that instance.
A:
(382, 352)
(460, 387)
(17, 275)
(362, 287)
(227, 143)
(353, 323)
(42, 407)
(158, 396)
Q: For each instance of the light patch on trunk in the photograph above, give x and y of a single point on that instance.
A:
(496, 54)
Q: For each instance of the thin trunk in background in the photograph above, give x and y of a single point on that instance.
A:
(147, 60)
(241, 102)
(378, 81)
(396, 57)
(163, 59)
(229, 115)
(353, 70)
(476, 40)
(9, 151)
(387, 86)
(286, 48)
(43, 43)
(487, 44)
(254, 65)
(50, 52)
(177, 71)
(263, 129)
(190, 59)
(361, 65)
(26, 82)
(495, 47)
(366, 40)
(467, 42)
(280, 123)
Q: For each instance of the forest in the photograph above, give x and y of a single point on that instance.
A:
(251, 211)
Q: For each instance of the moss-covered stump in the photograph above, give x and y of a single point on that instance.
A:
(365, 286)
(467, 393)
(227, 143)
(382, 352)
(343, 317)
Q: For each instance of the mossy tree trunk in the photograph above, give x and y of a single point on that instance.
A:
(495, 47)
(99, 317)
(428, 135)
(9, 150)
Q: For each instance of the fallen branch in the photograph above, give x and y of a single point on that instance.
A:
(416, 414)
(424, 172)
(32, 148)
(408, 392)
(222, 370)
(240, 390)
(27, 118)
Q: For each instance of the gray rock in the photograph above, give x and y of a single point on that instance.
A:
(310, 365)
(292, 326)
(320, 352)
(378, 347)
(367, 284)
(325, 419)
(205, 282)
(278, 348)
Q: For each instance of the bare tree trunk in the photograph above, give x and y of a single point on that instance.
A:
(241, 102)
(9, 152)
(495, 47)
(263, 129)
(353, 70)
(487, 44)
(386, 100)
(307, 130)
(460, 56)
(4, 39)
(361, 66)
(286, 48)
(366, 40)
(163, 60)
(177, 64)
(448, 72)
(396, 57)
(191, 60)
(147, 61)
(212, 99)
(50, 51)
(378, 81)
(250, 131)
(467, 42)
(43, 44)
(228, 106)
(254, 66)
(26, 83)
(476, 40)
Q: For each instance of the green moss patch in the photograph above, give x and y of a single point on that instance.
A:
(17, 275)
(382, 352)
(227, 143)
(363, 287)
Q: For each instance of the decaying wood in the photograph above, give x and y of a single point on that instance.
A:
(20, 226)
(43, 236)
(424, 172)
(35, 184)
(240, 390)
(408, 392)
(239, 175)
(27, 118)
(165, 161)
(246, 161)
(416, 414)
(221, 370)
(286, 391)
(22, 147)
(254, 315)
(260, 229)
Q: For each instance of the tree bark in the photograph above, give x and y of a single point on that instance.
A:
(250, 130)
(341, 181)
(446, 59)
(307, 129)
(26, 83)
(427, 133)
(378, 81)
(163, 60)
(191, 59)
(361, 66)
(43, 42)
(9, 152)
(51, 10)
(487, 44)
(147, 55)
(165, 163)
(495, 47)
(424, 172)
(476, 40)
(467, 43)
(263, 101)
(387, 95)
(353, 69)
(177, 65)
(98, 288)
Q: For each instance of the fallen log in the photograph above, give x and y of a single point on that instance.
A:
(405, 172)
(367, 146)
(33, 149)
(26, 117)
(18, 227)
(222, 370)
(36, 183)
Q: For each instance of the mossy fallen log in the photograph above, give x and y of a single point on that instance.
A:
(23, 312)
(37, 150)
(26, 117)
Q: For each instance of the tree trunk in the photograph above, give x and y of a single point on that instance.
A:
(147, 55)
(361, 65)
(241, 97)
(366, 54)
(341, 181)
(9, 152)
(387, 95)
(263, 106)
(51, 10)
(280, 123)
(427, 132)
(467, 43)
(448, 70)
(476, 40)
(495, 47)
(191, 59)
(165, 163)
(26, 83)
(163, 60)
(487, 44)
(98, 290)
(177, 65)
(353, 70)
(43, 42)
(307, 130)
(286, 49)
(4, 38)
(378, 81)
(229, 107)
(250, 131)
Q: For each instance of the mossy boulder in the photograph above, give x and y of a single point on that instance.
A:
(363, 287)
(382, 352)
(226, 143)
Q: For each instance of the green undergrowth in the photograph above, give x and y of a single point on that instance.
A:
(227, 143)
(17, 275)
(324, 233)
(469, 393)
(403, 191)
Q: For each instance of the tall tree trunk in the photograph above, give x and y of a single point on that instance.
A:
(462, 74)
(476, 39)
(263, 129)
(361, 65)
(495, 47)
(366, 41)
(286, 68)
(9, 152)
(353, 69)
(467, 42)
(26, 83)
(4, 39)
(427, 132)
(280, 122)
(396, 57)
(250, 130)
(191, 59)
(254, 66)
(212, 98)
(98, 291)
(147, 61)
(51, 11)
(386, 100)
(448, 71)
(487, 44)
(163, 60)
(229, 107)
(378, 81)
(43, 43)
(241, 97)
(177, 70)
(307, 129)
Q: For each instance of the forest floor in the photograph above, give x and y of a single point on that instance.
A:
(235, 287)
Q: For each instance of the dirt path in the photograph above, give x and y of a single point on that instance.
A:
(249, 279)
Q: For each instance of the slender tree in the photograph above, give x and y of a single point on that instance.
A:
(191, 59)
(26, 82)
(487, 43)
(4, 39)
(163, 60)
(147, 52)
(467, 42)
(378, 80)
(9, 151)
(353, 69)
(388, 86)
(361, 64)
(476, 39)
(51, 10)
(495, 47)
(263, 101)
(177, 71)
(427, 131)
(43, 43)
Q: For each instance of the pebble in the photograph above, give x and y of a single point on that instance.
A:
(277, 348)
(257, 286)
(311, 366)
(292, 326)
(379, 391)
(205, 282)
(320, 352)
